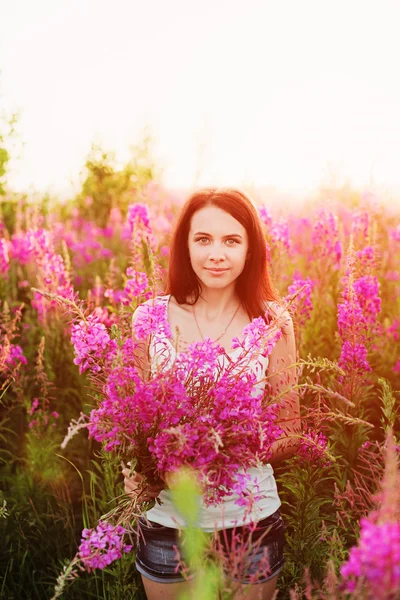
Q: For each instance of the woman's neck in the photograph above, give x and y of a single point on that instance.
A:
(214, 304)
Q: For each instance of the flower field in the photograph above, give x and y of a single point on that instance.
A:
(71, 277)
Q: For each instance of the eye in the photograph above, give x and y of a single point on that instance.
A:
(232, 240)
(201, 239)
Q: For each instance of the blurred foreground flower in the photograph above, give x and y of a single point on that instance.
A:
(373, 566)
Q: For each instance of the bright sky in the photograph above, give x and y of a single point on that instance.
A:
(280, 93)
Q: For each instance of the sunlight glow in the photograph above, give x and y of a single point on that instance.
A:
(280, 94)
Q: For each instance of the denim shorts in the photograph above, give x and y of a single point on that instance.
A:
(261, 555)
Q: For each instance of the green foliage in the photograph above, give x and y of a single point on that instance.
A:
(106, 185)
(207, 577)
(306, 494)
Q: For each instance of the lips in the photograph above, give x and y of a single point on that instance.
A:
(217, 270)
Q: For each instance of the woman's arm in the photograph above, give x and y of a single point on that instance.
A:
(281, 379)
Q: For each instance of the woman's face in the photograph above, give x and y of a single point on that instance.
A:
(217, 241)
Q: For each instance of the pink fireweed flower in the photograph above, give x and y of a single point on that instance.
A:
(313, 448)
(133, 408)
(280, 235)
(51, 271)
(375, 561)
(21, 248)
(352, 328)
(138, 213)
(393, 331)
(353, 357)
(34, 406)
(87, 251)
(15, 356)
(200, 359)
(4, 256)
(39, 242)
(103, 315)
(265, 216)
(151, 319)
(92, 343)
(42, 418)
(325, 236)
(247, 489)
(135, 287)
(186, 416)
(360, 221)
(303, 302)
(258, 335)
(114, 296)
(138, 228)
(233, 423)
(101, 546)
(394, 234)
(396, 368)
(367, 258)
(350, 316)
(392, 276)
(367, 290)
(115, 218)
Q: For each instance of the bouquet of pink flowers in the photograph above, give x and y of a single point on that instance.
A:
(191, 413)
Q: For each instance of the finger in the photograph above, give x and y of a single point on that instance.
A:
(130, 491)
(132, 476)
(132, 484)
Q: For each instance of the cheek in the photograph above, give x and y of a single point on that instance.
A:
(198, 254)
(241, 257)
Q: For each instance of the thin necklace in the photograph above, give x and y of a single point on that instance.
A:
(226, 328)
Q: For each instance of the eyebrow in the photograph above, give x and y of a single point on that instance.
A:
(225, 236)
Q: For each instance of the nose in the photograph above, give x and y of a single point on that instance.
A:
(217, 254)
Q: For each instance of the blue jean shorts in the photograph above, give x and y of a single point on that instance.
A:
(261, 560)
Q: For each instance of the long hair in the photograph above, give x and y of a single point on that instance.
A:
(253, 286)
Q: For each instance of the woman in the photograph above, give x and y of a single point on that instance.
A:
(217, 283)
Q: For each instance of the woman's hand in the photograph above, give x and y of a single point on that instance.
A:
(133, 486)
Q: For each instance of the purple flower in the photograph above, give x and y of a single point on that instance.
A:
(258, 335)
(101, 546)
(312, 448)
(4, 256)
(367, 290)
(90, 341)
(303, 301)
(135, 286)
(375, 561)
(16, 356)
(265, 216)
(151, 319)
(280, 234)
(353, 357)
(325, 236)
(394, 234)
(138, 213)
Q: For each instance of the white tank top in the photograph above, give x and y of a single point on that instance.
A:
(228, 514)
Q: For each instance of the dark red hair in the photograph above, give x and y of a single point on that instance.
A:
(253, 286)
